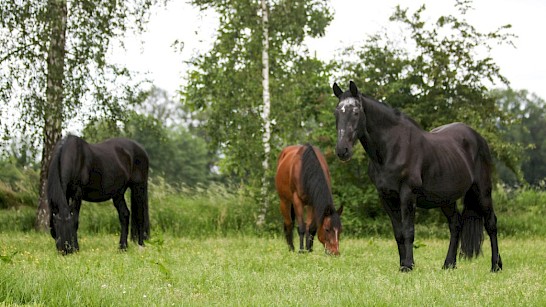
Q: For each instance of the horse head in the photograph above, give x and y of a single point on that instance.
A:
(329, 231)
(350, 119)
(63, 230)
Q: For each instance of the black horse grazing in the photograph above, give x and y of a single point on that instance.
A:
(97, 172)
(411, 167)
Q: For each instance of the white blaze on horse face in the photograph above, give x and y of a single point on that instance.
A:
(347, 104)
(341, 133)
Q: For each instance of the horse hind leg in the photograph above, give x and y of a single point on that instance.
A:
(490, 223)
(123, 213)
(454, 220)
(298, 212)
(287, 211)
(310, 228)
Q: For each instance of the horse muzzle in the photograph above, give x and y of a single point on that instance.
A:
(332, 250)
(344, 153)
(66, 247)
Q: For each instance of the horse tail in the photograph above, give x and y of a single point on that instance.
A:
(472, 225)
(472, 215)
(140, 219)
(315, 184)
(56, 191)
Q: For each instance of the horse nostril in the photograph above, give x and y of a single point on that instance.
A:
(342, 152)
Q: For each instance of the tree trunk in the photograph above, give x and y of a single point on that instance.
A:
(266, 109)
(53, 111)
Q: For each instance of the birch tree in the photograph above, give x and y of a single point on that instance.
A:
(53, 58)
(266, 108)
(258, 87)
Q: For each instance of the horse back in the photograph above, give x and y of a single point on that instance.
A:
(454, 157)
(101, 171)
(120, 156)
(288, 179)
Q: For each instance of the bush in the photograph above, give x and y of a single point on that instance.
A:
(219, 210)
(520, 212)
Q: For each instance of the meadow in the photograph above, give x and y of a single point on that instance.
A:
(206, 250)
(254, 271)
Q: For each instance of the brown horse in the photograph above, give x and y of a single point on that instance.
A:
(303, 180)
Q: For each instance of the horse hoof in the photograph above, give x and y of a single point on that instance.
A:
(496, 268)
(302, 251)
(405, 269)
(449, 266)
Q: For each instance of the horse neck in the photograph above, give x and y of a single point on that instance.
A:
(378, 120)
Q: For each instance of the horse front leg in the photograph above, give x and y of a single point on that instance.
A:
(392, 208)
(455, 223)
(77, 203)
(407, 210)
(123, 214)
(310, 228)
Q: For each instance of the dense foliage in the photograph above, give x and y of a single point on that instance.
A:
(218, 126)
(527, 111)
(225, 90)
(25, 29)
(176, 155)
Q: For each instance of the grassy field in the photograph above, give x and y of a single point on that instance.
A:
(239, 270)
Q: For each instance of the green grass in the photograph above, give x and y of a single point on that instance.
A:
(253, 271)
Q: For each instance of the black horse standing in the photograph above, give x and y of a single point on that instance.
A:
(411, 167)
(97, 172)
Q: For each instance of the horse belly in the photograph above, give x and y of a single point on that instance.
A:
(102, 187)
(441, 192)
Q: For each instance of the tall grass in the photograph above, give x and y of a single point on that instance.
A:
(218, 210)
(522, 211)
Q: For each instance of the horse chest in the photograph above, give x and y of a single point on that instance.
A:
(386, 179)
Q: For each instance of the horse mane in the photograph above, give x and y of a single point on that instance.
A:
(57, 181)
(56, 198)
(394, 111)
(315, 185)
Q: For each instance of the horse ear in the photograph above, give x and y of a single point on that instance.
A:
(340, 210)
(337, 90)
(353, 89)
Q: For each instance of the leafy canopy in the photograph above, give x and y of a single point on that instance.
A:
(440, 74)
(225, 86)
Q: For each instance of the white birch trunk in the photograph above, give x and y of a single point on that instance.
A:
(54, 100)
(266, 110)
